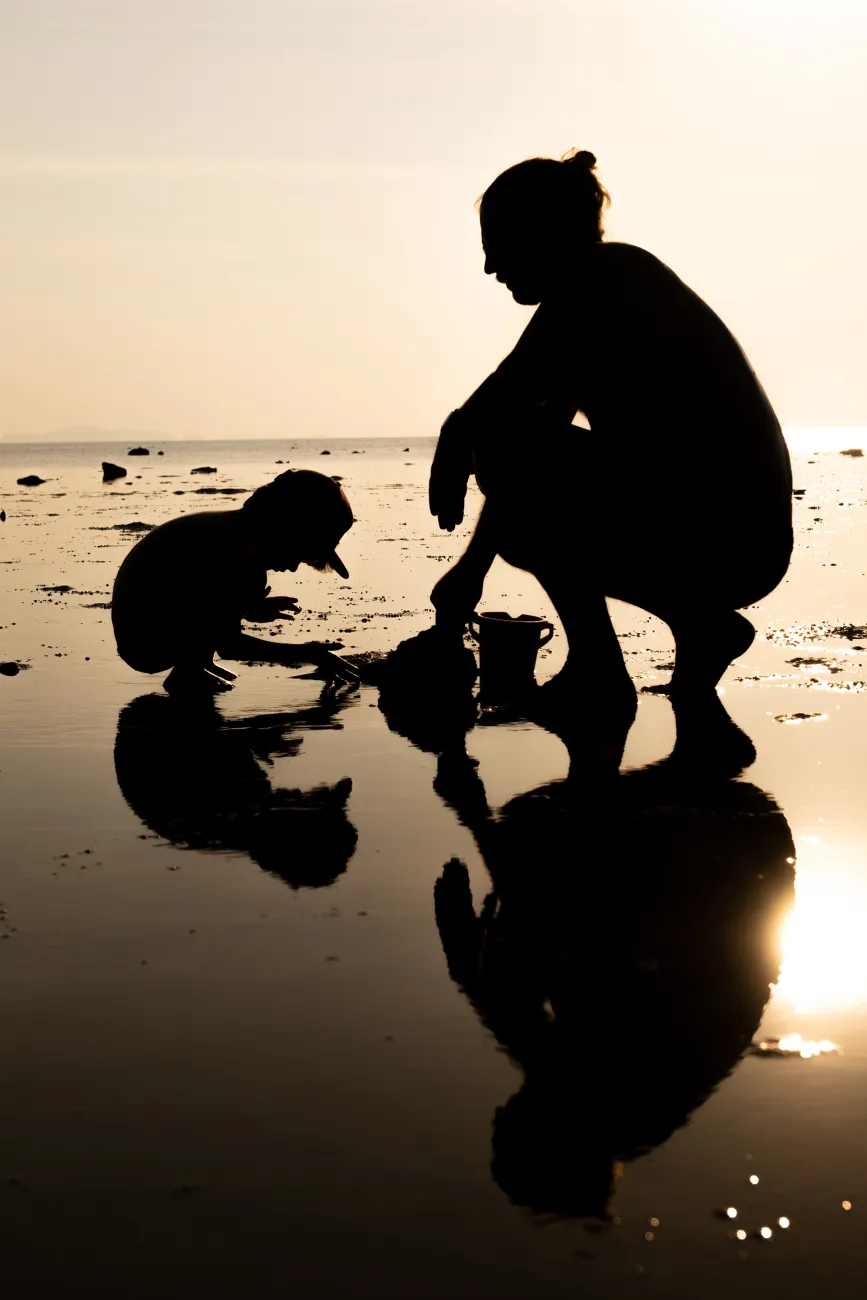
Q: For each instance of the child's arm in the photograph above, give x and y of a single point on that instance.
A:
(253, 649)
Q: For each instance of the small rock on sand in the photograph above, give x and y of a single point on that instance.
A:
(31, 480)
(110, 471)
(2, 516)
(852, 451)
(10, 669)
(204, 469)
(325, 453)
(138, 451)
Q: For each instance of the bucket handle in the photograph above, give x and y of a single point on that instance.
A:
(474, 629)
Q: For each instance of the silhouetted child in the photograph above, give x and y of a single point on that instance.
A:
(182, 591)
(677, 501)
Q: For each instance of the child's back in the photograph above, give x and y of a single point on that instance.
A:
(187, 582)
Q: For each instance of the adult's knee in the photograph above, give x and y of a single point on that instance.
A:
(532, 523)
(525, 541)
(498, 472)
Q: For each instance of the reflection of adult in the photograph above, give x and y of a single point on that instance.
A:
(679, 503)
(623, 958)
(198, 781)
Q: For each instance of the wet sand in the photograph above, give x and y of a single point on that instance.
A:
(244, 1054)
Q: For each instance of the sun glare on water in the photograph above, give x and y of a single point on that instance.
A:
(819, 438)
(824, 950)
(795, 1045)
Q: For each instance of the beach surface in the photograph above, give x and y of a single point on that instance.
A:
(242, 1052)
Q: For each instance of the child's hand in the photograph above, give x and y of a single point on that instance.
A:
(330, 666)
(268, 608)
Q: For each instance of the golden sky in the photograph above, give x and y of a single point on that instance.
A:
(234, 218)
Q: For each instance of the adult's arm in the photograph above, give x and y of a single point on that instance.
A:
(535, 381)
(537, 376)
(519, 1023)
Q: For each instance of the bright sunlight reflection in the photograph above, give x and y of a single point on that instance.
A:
(824, 948)
(795, 1045)
(836, 438)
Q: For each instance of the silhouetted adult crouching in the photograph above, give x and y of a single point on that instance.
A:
(678, 500)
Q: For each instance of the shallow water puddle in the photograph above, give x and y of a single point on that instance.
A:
(292, 1003)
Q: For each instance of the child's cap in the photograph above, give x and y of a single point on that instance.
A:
(334, 562)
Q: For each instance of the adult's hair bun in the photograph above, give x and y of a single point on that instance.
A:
(580, 158)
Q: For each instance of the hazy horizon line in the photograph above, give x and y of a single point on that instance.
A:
(798, 437)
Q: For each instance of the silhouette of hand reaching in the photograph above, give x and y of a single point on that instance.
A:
(330, 666)
(268, 608)
(450, 472)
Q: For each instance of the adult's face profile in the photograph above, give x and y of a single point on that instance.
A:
(513, 260)
(529, 252)
(537, 218)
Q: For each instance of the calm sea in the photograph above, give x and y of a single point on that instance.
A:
(187, 452)
(220, 452)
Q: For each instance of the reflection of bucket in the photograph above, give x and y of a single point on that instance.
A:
(507, 652)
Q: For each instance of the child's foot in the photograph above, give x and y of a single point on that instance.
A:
(195, 681)
(705, 648)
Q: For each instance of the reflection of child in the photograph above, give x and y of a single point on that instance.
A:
(182, 591)
(203, 782)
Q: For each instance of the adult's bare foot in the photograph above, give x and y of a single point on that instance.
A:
(592, 717)
(706, 645)
(710, 746)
